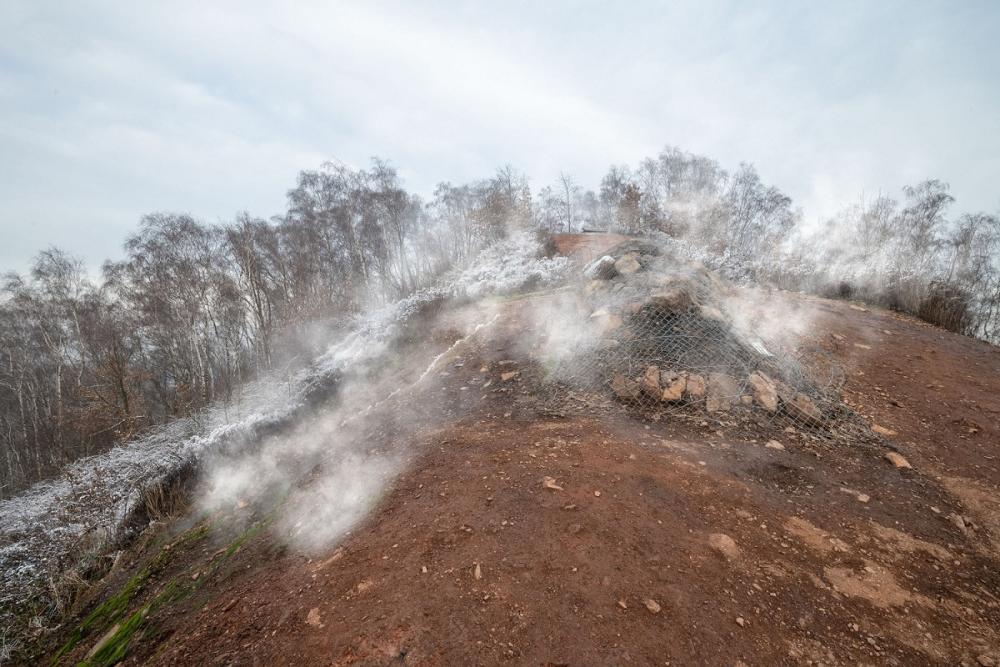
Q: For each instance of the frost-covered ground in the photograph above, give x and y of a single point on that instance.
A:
(50, 526)
(57, 521)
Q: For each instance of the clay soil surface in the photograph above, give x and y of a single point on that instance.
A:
(526, 535)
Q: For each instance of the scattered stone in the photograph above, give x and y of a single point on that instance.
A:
(652, 606)
(740, 621)
(764, 391)
(897, 459)
(602, 268)
(695, 386)
(774, 444)
(597, 494)
(627, 264)
(423, 569)
(722, 390)
(650, 382)
(550, 483)
(478, 572)
(671, 299)
(803, 407)
(622, 604)
(881, 430)
(858, 308)
(593, 287)
(510, 375)
(986, 661)
(861, 497)
(624, 388)
(710, 313)
(313, 618)
(862, 346)
(674, 386)
(605, 322)
(724, 545)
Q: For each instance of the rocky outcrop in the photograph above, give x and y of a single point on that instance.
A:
(668, 339)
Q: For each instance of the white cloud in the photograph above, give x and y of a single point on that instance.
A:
(117, 109)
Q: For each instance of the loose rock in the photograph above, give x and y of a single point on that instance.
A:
(695, 386)
(606, 322)
(672, 300)
(650, 382)
(674, 386)
(722, 391)
(897, 459)
(602, 268)
(627, 264)
(764, 391)
(550, 483)
(803, 407)
(624, 388)
(724, 545)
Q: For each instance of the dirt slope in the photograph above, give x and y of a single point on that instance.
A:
(654, 542)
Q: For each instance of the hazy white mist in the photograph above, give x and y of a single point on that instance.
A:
(110, 110)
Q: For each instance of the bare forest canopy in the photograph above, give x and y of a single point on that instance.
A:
(194, 310)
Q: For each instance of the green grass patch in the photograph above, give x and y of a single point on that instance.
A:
(115, 648)
(114, 608)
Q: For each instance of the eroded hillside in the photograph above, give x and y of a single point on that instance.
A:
(500, 513)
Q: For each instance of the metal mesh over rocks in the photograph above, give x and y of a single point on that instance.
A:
(663, 342)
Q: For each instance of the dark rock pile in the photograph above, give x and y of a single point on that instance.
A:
(666, 341)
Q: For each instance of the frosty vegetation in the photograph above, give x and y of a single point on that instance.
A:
(70, 522)
(195, 311)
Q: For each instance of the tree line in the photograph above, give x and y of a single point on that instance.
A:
(907, 254)
(193, 310)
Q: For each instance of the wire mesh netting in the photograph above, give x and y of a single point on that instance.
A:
(663, 343)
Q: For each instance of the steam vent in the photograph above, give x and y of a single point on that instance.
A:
(667, 343)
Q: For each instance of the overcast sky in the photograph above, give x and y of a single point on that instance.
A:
(109, 110)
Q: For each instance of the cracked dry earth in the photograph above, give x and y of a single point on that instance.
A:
(520, 536)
